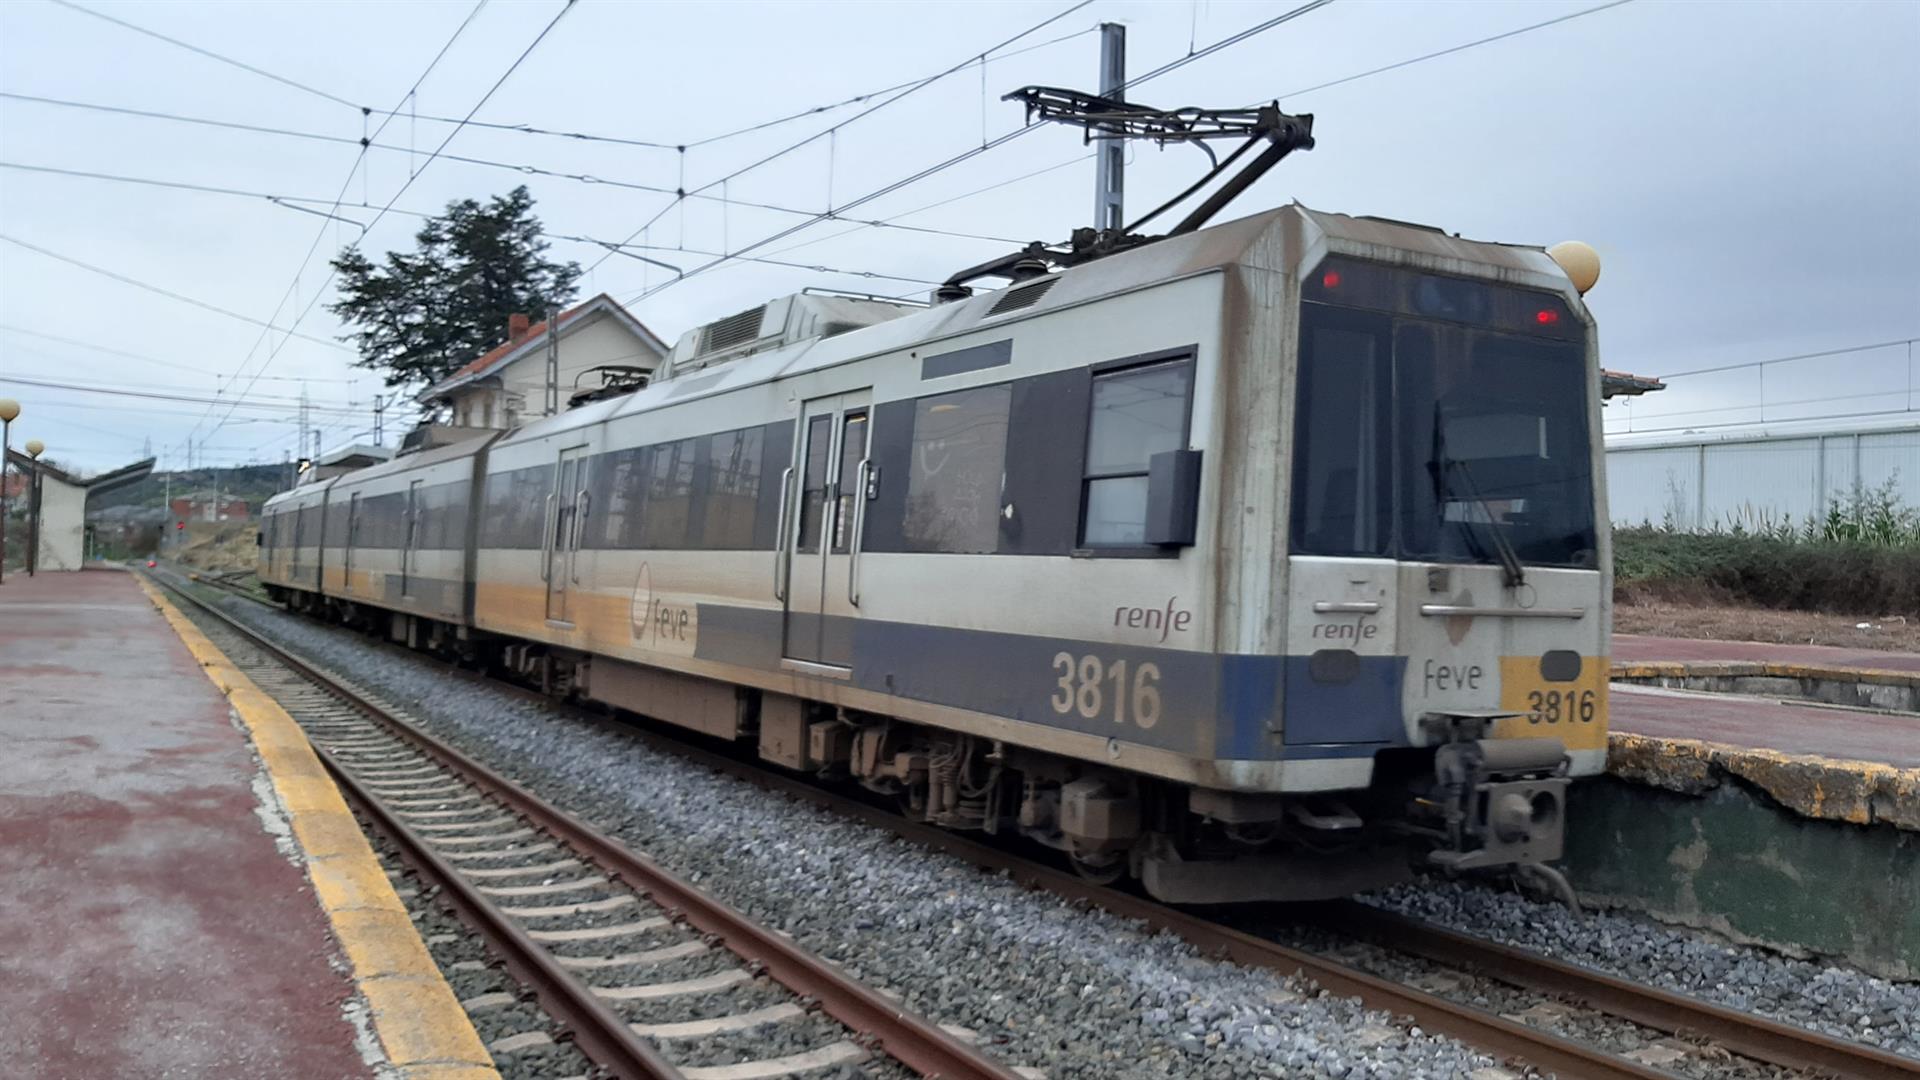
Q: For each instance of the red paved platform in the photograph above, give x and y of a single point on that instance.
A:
(148, 924)
(1635, 648)
(1766, 724)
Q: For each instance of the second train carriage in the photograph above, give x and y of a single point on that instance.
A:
(1253, 561)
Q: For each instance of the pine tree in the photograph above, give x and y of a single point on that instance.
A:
(423, 315)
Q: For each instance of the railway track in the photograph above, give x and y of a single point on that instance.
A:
(1762, 1040)
(613, 946)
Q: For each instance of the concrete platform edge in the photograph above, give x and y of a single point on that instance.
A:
(1854, 792)
(1655, 669)
(418, 1020)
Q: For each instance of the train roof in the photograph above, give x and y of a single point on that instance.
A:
(406, 463)
(1273, 240)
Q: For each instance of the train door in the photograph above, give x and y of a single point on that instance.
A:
(822, 548)
(410, 539)
(353, 541)
(568, 509)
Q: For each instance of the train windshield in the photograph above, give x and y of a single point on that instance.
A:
(1424, 438)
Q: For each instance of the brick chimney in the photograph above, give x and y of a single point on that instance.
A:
(517, 327)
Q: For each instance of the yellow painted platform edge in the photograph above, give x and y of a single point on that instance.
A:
(1653, 669)
(416, 1016)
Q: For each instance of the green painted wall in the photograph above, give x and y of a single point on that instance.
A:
(1732, 860)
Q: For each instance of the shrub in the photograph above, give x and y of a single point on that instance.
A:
(1848, 576)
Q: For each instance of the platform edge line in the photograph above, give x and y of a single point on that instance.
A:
(416, 1016)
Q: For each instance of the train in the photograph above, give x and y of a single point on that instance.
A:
(1268, 561)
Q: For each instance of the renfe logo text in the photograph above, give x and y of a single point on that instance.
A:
(1163, 620)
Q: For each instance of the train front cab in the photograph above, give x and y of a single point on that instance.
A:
(1448, 577)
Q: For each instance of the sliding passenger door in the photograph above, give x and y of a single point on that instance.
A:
(567, 509)
(820, 583)
(410, 538)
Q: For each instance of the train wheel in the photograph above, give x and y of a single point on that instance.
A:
(1100, 869)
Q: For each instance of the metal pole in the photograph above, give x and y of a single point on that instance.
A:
(1109, 182)
(6, 451)
(553, 364)
(33, 521)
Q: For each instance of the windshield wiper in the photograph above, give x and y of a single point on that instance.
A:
(1514, 574)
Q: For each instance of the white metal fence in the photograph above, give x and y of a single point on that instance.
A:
(1758, 476)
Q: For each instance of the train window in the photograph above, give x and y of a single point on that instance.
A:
(813, 482)
(619, 503)
(853, 450)
(731, 487)
(1136, 413)
(669, 510)
(1342, 500)
(956, 470)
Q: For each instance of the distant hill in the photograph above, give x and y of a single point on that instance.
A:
(254, 483)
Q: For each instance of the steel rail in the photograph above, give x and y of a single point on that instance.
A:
(906, 1037)
(1750, 1036)
(1483, 1030)
(1755, 1037)
(594, 1027)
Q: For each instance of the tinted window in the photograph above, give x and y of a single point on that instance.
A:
(813, 482)
(1493, 440)
(955, 473)
(731, 483)
(1136, 413)
(1491, 430)
(669, 509)
(1342, 503)
(624, 476)
(853, 449)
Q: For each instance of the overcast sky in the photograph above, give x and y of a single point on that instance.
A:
(1747, 171)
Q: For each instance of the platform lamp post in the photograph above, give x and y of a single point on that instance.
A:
(34, 449)
(9, 409)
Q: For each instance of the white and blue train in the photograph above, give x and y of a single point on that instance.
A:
(1265, 561)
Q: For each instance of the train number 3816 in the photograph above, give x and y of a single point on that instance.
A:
(1094, 688)
(1553, 706)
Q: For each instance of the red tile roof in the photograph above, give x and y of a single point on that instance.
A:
(534, 331)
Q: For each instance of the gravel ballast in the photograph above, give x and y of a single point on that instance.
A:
(1045, 985)
(1839, 1001)
(1073, 992)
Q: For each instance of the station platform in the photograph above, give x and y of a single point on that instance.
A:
(164, 907)
(1828, 732)
(1630, 649)
(1767, 792)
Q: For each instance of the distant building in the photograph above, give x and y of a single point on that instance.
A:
(208, 506)
(508, 385)
(1759, 475)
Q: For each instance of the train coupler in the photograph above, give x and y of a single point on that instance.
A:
(1503, 802)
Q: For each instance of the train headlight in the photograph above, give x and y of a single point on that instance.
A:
(1581, 263)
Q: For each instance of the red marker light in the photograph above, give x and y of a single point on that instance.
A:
(1330, 279)
(1546, 316)
(151, 564)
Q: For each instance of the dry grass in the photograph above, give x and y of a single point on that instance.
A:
(221, 548)
(1732, 622)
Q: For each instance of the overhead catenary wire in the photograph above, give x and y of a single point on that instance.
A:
(338, 203)
(984, 147)
(321, 233)
(828, 132)
(109, 349)
(762, 125)
(210, 54)
(1449, 51)
(566, 7)
(159, 395)
(152, 288)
